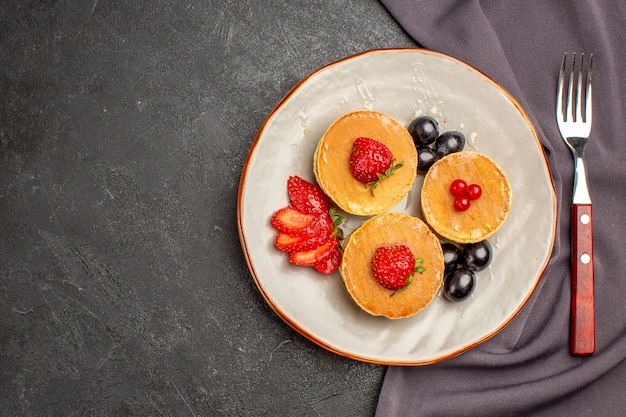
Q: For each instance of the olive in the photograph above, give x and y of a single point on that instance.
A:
(449, 142)
(459, 285)
(478, 255)
(452, 257)
(426, 157)
(424, 131)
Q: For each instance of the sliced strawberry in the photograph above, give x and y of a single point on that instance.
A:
(307, 197)
(330, 264)
(311, 257)
(292, 221)
(321, 226)
(299, 243)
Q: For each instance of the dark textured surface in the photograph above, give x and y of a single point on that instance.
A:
(124, 126)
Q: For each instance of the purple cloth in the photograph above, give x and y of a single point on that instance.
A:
(527, 368)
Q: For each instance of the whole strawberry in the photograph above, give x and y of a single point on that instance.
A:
(393, 266)
(371, 161)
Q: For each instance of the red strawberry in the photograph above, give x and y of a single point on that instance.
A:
(371, 161)
(322, 225)
(329, 264)
(292, 221)
(307, 238)
(308, 228)
(393, 265)
(298, 243)
(307, 197)
(313, 256)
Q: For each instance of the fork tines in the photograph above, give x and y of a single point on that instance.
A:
(574, 109)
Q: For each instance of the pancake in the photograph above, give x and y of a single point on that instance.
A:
(484, 216)
(386, 230)
(331, 162)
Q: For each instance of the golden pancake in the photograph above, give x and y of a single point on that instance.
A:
(386, 230)
(484, 216)
(332, 170)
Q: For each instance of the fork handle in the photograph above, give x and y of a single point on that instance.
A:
(582, 332)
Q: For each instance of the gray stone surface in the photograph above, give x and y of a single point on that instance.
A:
(124, 126)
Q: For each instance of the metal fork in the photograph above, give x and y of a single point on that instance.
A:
(575, 128)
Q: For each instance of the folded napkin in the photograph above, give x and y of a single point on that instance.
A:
(527, 369)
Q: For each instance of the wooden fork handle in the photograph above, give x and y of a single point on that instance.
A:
(582, 332)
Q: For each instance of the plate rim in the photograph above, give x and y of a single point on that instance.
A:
(369, 358)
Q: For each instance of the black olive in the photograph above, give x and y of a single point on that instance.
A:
(424, 131)
(426, 157)
(459, 285)
(478, 255)
(452, 257)
(449, 142)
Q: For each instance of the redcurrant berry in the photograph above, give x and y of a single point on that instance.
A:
(461, 203)
(458, 187)
(474, 191)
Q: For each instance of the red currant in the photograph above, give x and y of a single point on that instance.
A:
(461, 203)
(458, 187)
(474, 191)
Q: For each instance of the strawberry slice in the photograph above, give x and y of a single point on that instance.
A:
(322, 225)
(292, 221)
(307, 238)
(313, 256)
(307, 197)
(298, 243)
(330, 264)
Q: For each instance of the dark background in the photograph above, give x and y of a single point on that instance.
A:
(124, 127)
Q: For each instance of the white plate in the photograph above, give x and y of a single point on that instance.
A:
(403, 83)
